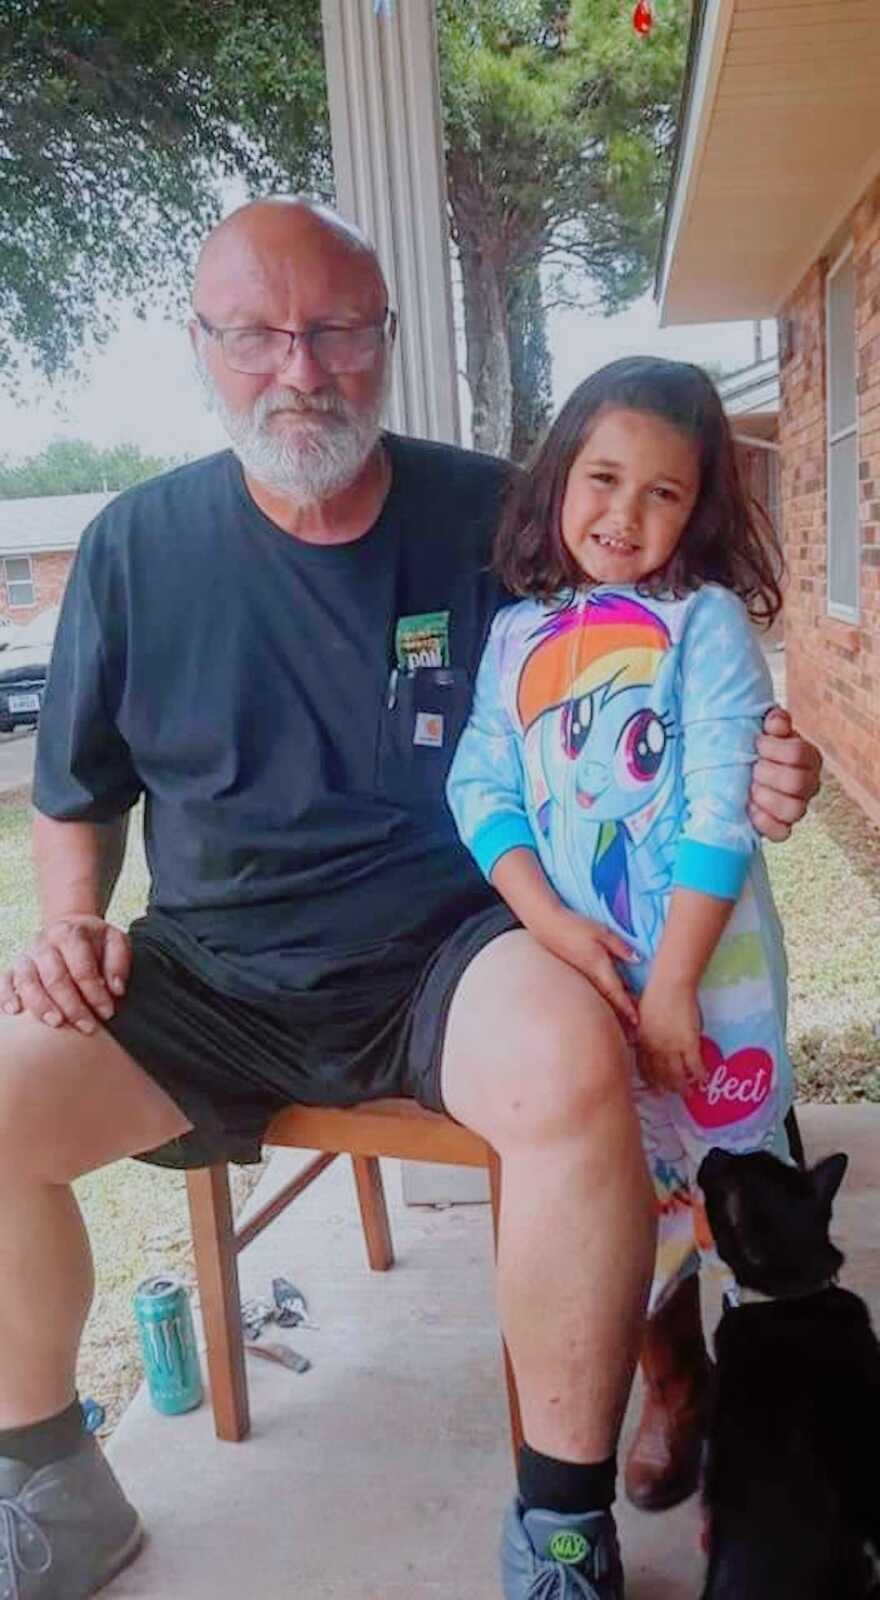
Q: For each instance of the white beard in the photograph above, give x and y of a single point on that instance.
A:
(313, 460)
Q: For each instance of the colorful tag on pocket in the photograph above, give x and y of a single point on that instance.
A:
(429, 729)
(422, 641)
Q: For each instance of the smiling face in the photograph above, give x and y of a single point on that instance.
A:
(594, 695)
(629, 494)
(608, 748)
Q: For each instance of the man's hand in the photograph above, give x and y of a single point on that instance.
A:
(70, 974)
(786, 776)
(669, 1037)
(593, 950)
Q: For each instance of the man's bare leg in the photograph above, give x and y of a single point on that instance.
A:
(535, 1061)
(68, 1105)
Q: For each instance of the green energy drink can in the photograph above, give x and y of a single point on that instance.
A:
(168, 1343)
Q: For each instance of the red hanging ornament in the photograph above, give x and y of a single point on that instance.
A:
(643, 18)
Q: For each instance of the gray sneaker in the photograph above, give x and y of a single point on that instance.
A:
(66, 1529)
(547, 1556)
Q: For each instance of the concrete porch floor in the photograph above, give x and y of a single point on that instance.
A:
(382, 1472)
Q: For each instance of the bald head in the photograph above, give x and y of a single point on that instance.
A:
(303, 414)
(271, 249)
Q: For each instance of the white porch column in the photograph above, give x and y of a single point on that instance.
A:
(387, 134)
(387, 138)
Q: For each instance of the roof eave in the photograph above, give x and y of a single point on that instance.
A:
(710, 26)
(54, 547)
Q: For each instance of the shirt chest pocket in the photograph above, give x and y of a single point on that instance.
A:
(423, 716)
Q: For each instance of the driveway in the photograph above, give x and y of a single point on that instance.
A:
(17, 759)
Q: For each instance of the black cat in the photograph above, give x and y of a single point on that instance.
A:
(792, 1480)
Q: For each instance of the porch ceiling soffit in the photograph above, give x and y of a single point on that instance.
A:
(779, 136)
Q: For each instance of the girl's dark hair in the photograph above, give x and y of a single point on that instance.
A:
(728, 539)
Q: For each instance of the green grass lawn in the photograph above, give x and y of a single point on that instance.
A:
(827, 886)
(826, 881)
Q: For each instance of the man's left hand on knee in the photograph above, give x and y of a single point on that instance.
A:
(787, 775)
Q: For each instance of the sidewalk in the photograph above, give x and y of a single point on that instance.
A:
(381, 1474)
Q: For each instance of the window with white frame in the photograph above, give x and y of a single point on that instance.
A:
(19, 577)
(843, 444)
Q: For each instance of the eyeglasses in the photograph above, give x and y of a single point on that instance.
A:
(337, 350)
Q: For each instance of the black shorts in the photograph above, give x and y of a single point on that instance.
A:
(231, 1064)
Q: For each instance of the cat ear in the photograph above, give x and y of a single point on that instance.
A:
(826, 1178)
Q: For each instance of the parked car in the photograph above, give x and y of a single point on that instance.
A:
(24, 664)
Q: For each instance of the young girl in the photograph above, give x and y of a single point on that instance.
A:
(602, 780)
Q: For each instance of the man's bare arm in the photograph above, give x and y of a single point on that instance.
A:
(77, 963)
(77, 865)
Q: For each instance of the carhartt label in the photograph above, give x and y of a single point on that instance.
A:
(422, 641)
(429, 729)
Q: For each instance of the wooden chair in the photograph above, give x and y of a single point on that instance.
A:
(397, 1128)
(381, 1128)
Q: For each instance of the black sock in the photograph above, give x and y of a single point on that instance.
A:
(40, 1443)
(566, 1486)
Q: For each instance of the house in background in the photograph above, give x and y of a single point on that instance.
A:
(38, 541)
(774, 210)
(751, 400)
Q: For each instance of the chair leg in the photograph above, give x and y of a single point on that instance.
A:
(374, 1212)
(516, 1429)
(210, 1209)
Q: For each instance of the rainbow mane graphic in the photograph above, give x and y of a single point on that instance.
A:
(610, 641)
(580, 647)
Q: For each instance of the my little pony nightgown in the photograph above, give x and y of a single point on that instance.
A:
(614, 734)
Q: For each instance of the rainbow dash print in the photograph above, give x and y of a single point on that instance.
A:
(614, 734)
(595, 703)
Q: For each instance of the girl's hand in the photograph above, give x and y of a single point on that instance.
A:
(669, 1037)
(593, 950)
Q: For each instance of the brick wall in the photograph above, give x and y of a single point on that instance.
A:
(833, 666)
(49, 575)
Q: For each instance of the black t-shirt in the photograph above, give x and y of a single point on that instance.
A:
(243, 681)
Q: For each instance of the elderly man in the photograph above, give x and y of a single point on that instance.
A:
(239, 645)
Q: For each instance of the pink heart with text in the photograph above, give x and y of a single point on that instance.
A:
(735, 1088)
